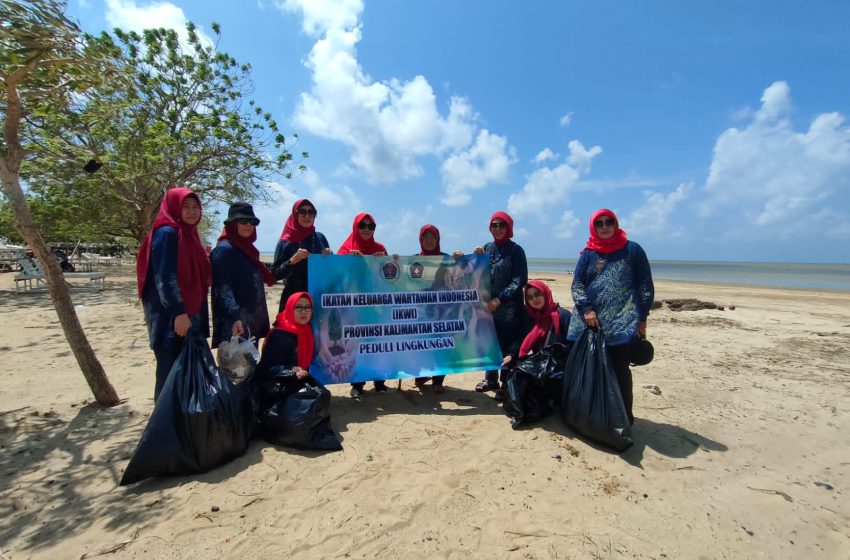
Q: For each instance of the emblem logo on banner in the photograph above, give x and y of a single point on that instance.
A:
(374, 323)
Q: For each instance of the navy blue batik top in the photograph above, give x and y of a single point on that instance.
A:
(295, 276)
(238, 294)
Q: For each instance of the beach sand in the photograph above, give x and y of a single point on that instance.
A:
(743, 454)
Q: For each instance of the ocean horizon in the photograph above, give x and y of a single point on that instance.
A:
(822, 276)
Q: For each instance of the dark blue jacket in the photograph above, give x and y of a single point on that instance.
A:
(161, 298)
(508, 276)
(295, 277)
(621, 292)
(551, 337)
(237, 294)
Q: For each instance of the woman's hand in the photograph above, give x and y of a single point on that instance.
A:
(641, 329)
(478, 250)
(493, 304)
(327, 251)
(355, 252)
(237, 329)
(590, 319)
(507, 360)
(301, 373)
(457, 255)
(299, 256)
(182, 324)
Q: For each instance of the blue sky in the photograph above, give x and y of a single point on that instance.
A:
(715, 130)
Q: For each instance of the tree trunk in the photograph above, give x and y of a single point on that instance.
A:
(10, 164)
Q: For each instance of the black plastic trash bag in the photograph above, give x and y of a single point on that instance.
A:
(301, 419)
(592, 404)
(200, 420)
(525, 399)
(534, 382)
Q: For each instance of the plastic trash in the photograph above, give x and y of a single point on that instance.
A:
(200, 420)
(533, 383)
(238, 358)
(592, 404)
(301, 418)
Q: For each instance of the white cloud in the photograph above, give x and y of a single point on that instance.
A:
(129, 16)
(544, 155)
(486, 161)
(567, 119)
(387, 125)
(566, 225)
(652, 218)
(770, 174)
(547, 188)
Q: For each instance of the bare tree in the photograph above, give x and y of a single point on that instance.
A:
(44, 60)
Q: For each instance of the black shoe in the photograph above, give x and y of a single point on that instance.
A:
(356, 393)
(382, 388)
(499, 396)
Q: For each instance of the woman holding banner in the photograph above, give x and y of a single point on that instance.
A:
(429, 243)
(361, 242)
(298, 241)
(508, 275)
(612, 290)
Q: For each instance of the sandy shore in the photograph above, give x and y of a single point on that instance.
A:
(743, 454)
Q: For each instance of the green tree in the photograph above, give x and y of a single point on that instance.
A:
(44, 60)
(185, 120)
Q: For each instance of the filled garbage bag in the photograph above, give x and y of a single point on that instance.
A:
(592, 404)
(200, 420)
(301, 419)
(534, 382)
(525, 399)
(237, 358)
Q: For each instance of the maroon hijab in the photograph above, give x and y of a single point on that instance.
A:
(355, 242)
(613, 243)
(544, 318)
(435, 231)
(508, 220)
(246, 245)
(193, 265)
(292, 230)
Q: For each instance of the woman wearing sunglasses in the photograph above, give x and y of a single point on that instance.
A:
(508, 275)
(298, 241)
(612, 290)
(238, 296)
(362, 243)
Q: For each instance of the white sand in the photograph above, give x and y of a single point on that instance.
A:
(752, 414)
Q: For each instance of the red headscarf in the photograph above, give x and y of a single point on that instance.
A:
(292, 230)
(193, 266)
(435, 231)
(508, 220)
(285, 321)
(613, 243)
(544, 317)
(246, 245)
(355, 242)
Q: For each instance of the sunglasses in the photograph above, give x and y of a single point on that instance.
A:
(364, 225)
(604, 223)
(245, 221)
(529, 296)
(304, 308)
(498, 225)
(306, 212)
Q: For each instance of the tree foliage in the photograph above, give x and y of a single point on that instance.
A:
(185, 119)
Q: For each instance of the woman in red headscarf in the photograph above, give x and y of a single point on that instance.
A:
(613, 290)
(173, 274)
(238, 296)
(429, 243)
(362, 243)
(298, 240)
(284, 369)
(508, 275)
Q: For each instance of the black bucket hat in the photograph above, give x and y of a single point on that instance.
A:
(241, 211)
(641, 352)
